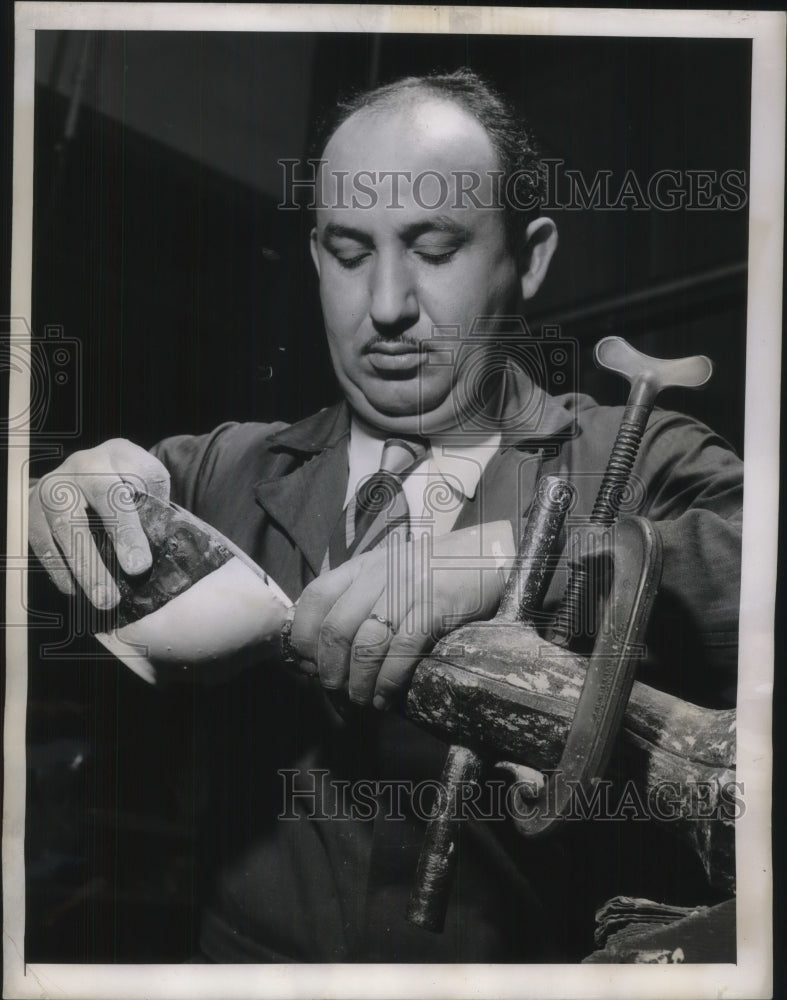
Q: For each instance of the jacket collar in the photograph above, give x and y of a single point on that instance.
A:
(530, 416)
(324, 429)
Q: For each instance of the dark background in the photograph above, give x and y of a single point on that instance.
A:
(186, 298)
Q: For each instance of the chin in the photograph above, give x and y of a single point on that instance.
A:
(404, 397)
(405, 417)
(414, 406)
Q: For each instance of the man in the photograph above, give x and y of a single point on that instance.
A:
(419, 270)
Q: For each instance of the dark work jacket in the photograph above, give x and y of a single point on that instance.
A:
(314, 887)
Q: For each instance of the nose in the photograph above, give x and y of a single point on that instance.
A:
(393, 295)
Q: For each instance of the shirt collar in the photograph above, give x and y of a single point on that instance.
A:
(363, 455)
(464, 463)
(459, 465)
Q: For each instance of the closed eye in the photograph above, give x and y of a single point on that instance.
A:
(349, 253)
(436, 256)
(349, 261)
(435, 253)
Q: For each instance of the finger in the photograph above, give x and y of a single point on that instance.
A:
(369, 649)
(71, 532)
(139, 468)
(43, 545)
(313, 606)
(411, 642)
(340, 627)
(142, 473)
(112, 499)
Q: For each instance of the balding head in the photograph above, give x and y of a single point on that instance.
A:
(521, 183)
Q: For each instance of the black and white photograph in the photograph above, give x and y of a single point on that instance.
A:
(386, 614)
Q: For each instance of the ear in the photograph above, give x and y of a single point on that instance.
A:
(314, 250)
(540, 244)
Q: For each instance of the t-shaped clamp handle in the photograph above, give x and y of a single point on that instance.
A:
(648, 376)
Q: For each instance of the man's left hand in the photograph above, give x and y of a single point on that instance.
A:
(365, 625)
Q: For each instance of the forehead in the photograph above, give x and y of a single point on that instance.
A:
(423, 132)
(432, 146)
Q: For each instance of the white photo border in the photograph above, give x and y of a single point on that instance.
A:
(751, 976)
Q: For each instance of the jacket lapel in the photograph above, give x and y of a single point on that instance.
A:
(305, 493)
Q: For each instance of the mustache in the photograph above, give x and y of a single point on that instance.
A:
(405, 339)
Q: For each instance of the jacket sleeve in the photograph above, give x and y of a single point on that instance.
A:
(196, 462)
(693, 483)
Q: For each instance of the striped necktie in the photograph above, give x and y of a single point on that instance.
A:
(379, 504)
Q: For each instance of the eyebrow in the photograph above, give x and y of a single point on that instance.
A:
(336, 231)
(438, 224)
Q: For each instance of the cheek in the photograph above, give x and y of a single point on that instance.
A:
(342, 306)
(473, 291)
(338, 349)
(343, 347)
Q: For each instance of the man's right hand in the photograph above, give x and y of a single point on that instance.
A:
(103, 481)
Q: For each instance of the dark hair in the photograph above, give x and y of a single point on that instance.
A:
(517, 151)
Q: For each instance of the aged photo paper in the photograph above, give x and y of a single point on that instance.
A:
(163, 284)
